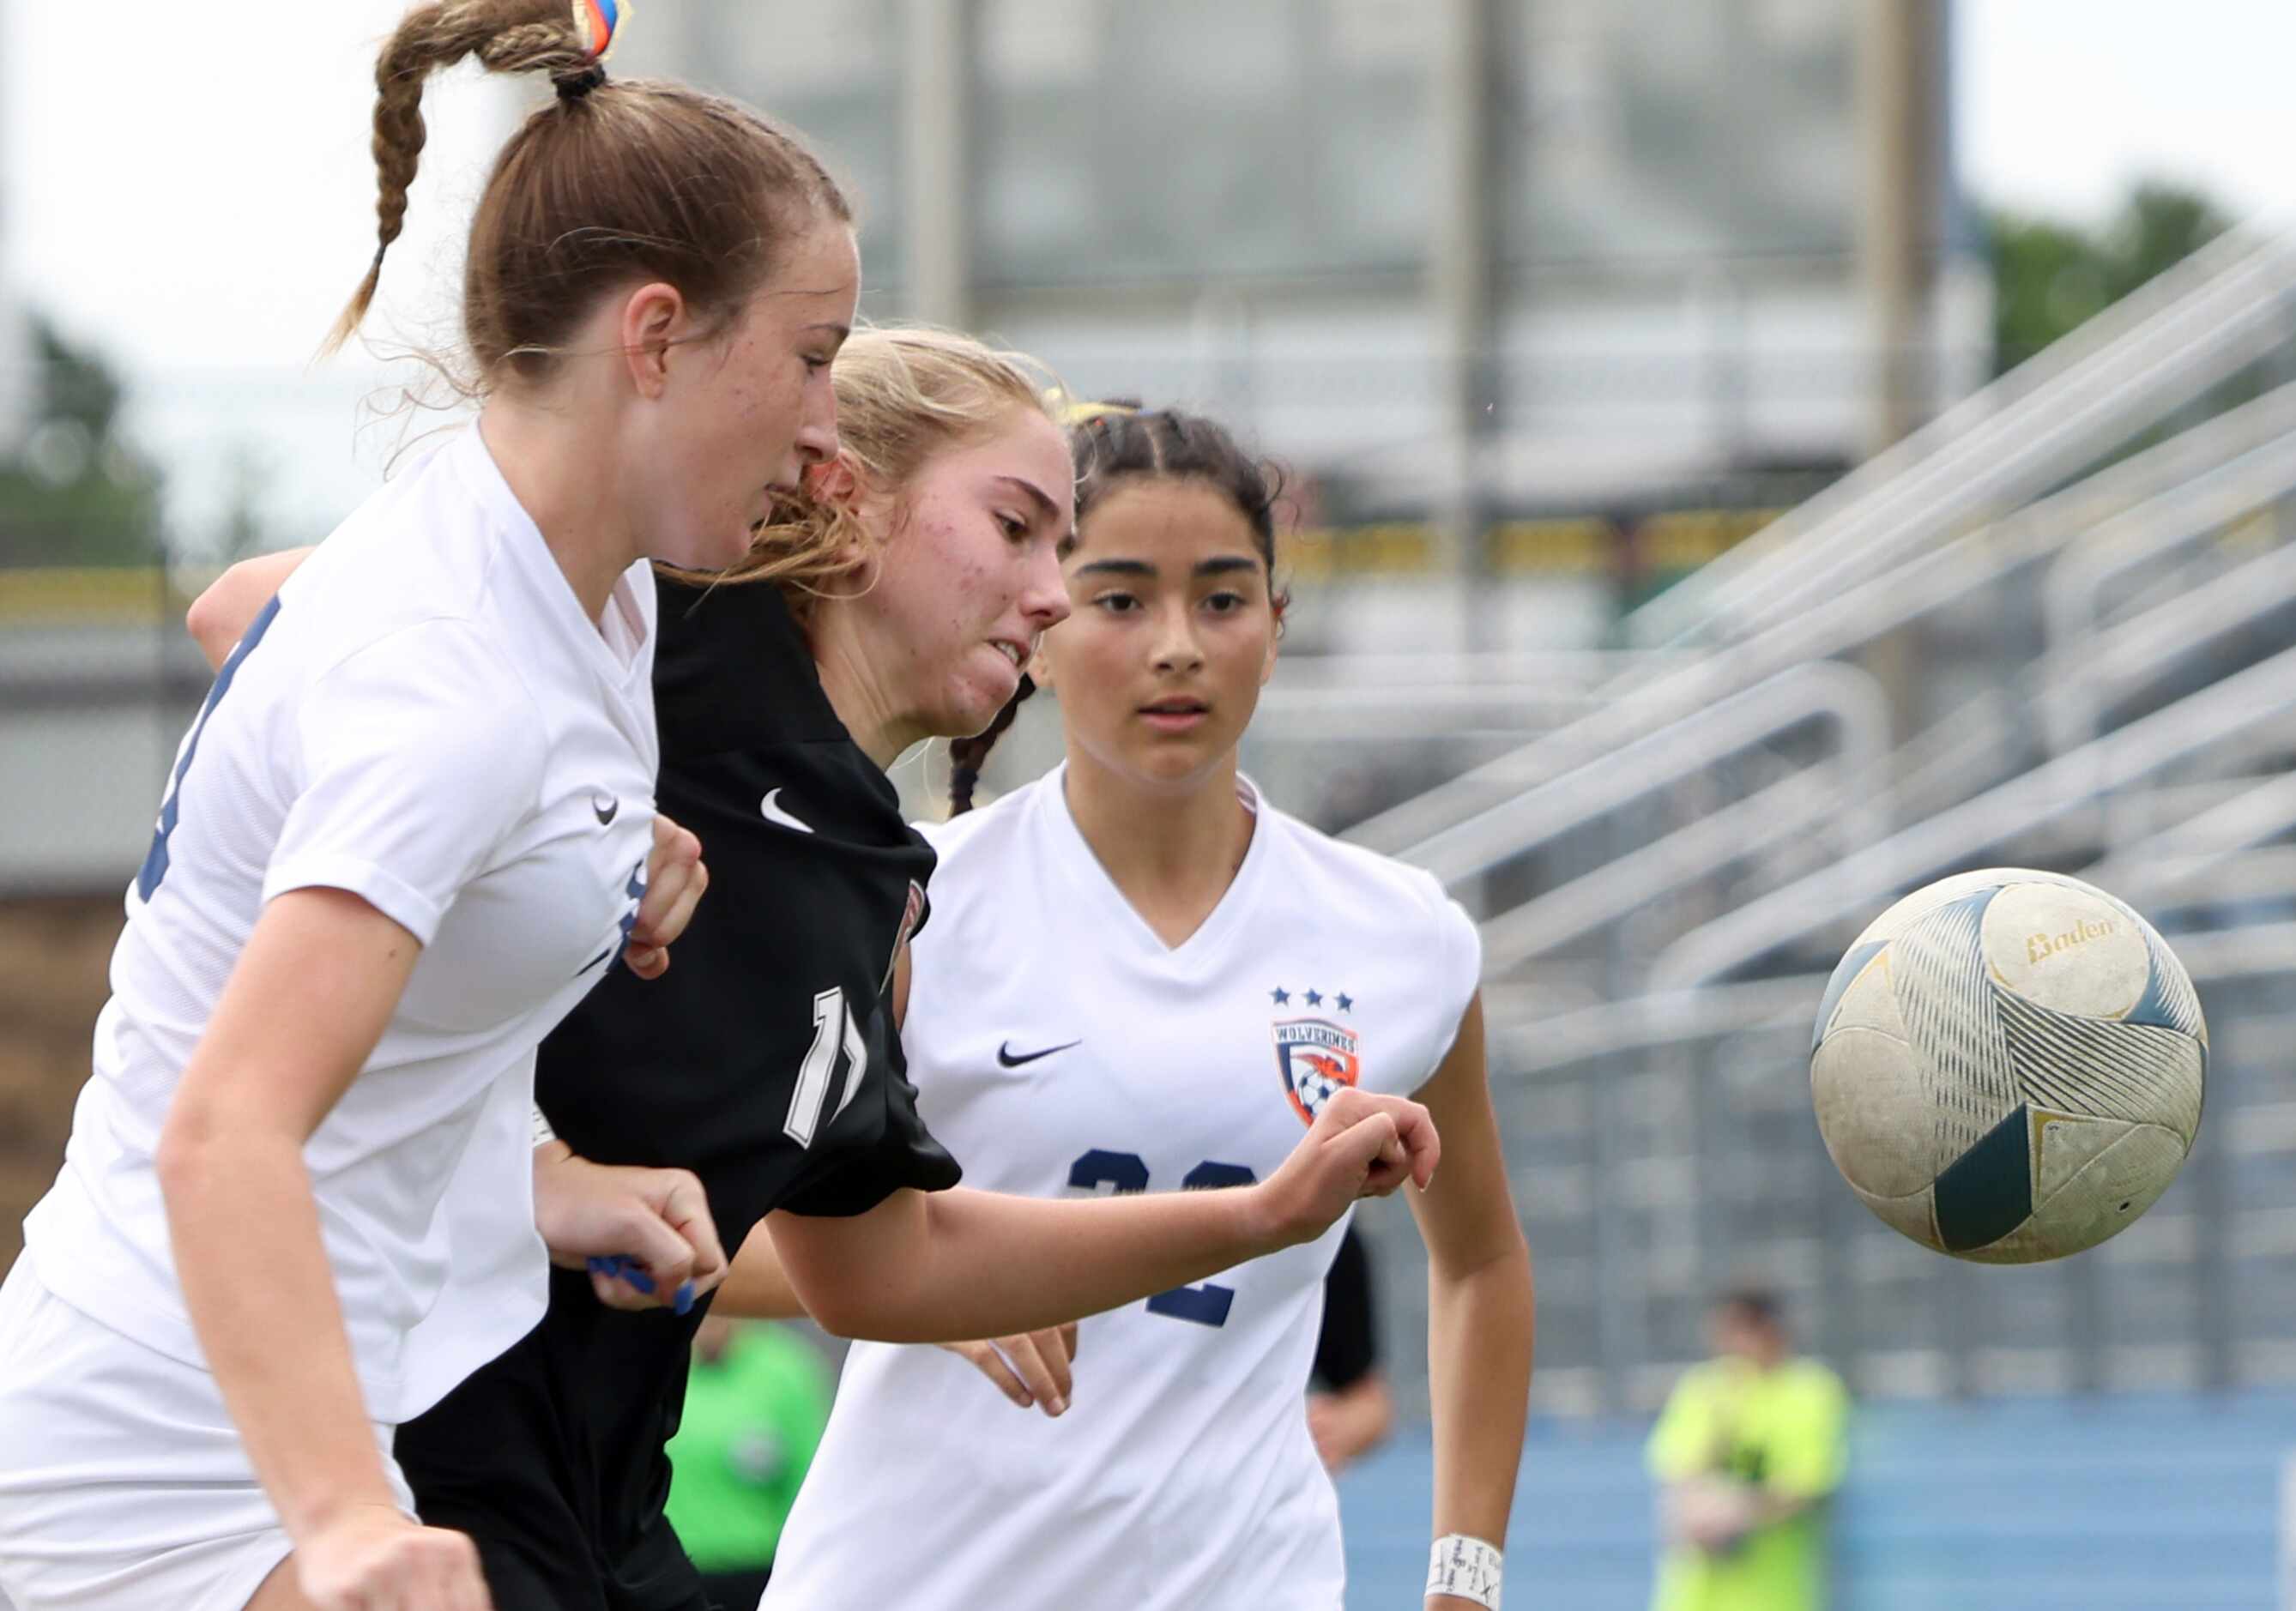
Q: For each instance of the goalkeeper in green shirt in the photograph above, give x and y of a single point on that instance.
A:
(1749, 1449)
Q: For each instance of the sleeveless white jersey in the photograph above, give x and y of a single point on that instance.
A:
(424, 717)
(1060, 1047)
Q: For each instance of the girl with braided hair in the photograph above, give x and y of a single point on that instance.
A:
(411, 827)
(1142, 975)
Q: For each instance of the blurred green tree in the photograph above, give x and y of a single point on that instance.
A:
(76, 491)
(2049, 276)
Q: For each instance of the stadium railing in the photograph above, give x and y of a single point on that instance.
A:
(2253, 707)
(2134, 364)
(1654, 695)
(2198, 845)
(2197, 485)
(1843, 698)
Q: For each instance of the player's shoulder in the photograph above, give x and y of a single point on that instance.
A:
(422, 548)
(1348, 882)
(717, 636)
(974, 841)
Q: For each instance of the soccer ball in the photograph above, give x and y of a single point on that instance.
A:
(2007, 1066)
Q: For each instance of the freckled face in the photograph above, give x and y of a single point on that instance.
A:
(970, 577)
(745, 413)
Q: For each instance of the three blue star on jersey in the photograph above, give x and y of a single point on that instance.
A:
(1316, 1056)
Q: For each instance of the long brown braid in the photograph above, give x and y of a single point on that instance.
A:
(611, 182)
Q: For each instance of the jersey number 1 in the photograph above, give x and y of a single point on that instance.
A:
(833, 1029)
(1127, 1173)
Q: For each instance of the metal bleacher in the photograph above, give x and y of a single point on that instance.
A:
(2055, 628)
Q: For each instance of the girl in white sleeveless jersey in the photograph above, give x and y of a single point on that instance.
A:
(409, 829)
(1141, 977)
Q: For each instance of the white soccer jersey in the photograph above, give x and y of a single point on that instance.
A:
(1060, 1047)
(427, 718)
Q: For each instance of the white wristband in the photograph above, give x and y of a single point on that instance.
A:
(1465, 1568)
(543, 1133)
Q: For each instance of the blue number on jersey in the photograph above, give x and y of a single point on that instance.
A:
(155, 860)
(1127, 1173)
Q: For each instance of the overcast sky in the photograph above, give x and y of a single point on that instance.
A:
(190, 189)
(2060, 104)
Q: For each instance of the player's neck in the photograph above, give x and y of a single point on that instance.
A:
(848, 678)
(1170, 851)
(554, 474)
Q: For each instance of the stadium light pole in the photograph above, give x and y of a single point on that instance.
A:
(1461, 272)
(937, 159)
(1899, 76)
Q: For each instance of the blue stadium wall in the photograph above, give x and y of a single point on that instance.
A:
(2103, 1504)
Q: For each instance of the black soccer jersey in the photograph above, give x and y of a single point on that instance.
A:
(766, 1061)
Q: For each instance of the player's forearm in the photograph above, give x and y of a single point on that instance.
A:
(1480, 1329)
(219, 614)
(262, 1300)
(949, 1266)
(756, 1286)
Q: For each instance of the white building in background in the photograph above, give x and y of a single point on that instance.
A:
(1601, 249)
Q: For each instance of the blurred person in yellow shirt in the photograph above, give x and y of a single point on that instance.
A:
(1749, 1447)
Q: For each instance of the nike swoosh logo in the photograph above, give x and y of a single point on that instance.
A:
(771, 810)
(1009, 1059)
(605, 813)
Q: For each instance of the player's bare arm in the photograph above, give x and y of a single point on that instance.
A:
(1480, 1308)
(221, 614)
(676, 878)
(584, 1210)
(757, 1287)
(947, 1265)
(1033, 1369)
(303, 1010)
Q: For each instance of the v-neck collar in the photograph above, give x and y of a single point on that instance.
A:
(1082, 870)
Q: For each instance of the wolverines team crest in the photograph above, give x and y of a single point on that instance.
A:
(1315, 1058)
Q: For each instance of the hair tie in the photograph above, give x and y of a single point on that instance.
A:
(595, 21)
(1085, 414)
(573, 87)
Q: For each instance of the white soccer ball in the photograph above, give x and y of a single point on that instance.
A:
(2008, 1065)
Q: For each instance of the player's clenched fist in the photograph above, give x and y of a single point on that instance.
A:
(645, 1235)
(1361, 1145)
(370, 1559)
